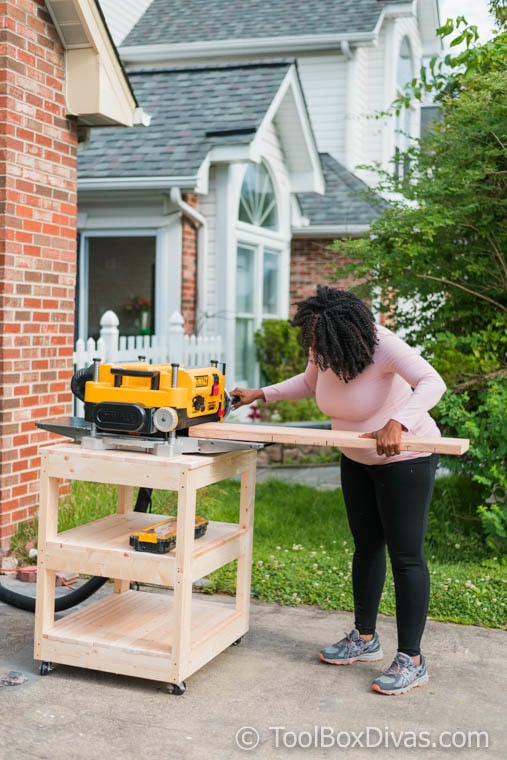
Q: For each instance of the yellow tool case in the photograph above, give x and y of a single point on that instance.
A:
(160, 537)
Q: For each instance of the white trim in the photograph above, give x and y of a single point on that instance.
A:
(137, 183)
(98, 91)
(226, 192)
(323, 231)
(312, 179)
(232, 154)
(400, 10)
(242, 47)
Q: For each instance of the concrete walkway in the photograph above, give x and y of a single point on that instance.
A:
(270, 689)
(270, 697)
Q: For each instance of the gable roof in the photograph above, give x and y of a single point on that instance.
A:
(181, 21)
(345, 208)
(196, 112)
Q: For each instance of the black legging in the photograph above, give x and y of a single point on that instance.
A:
(388, 504)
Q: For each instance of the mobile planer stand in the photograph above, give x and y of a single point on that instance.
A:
(176, 415)
(156, 636)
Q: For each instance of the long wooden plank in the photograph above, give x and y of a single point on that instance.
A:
(317, 437)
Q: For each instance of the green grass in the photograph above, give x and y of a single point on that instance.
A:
(303, 549)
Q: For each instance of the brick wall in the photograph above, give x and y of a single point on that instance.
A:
(37, 249)
(189, 268)
(312, 264)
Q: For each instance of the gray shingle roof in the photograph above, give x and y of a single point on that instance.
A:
(192, 110)
(173, 21)
(344, 202)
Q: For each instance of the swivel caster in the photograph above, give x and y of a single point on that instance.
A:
(45, 668)
(237, 642)
(177, 688)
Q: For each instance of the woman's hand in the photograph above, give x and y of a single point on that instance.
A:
(388, 438)
(246, 396)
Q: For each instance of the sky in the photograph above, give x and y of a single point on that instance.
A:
(475, 12)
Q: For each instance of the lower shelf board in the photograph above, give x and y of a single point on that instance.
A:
(133, 633)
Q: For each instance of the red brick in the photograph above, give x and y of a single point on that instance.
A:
(37, 244)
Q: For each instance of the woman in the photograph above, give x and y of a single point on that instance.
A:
(368, 380)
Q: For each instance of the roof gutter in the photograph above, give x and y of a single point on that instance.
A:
(135, 183)
(278, 46)
(331, 231)
(200, 222)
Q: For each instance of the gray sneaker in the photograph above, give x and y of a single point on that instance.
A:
(352, 649)
(401, 676)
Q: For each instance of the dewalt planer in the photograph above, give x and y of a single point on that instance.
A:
(147, 407)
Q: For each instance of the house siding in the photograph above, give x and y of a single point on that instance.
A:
(324, 80)
(121, 16)
(37, 249)
(206, 322)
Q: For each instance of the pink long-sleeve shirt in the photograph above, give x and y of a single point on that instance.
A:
(399, 385)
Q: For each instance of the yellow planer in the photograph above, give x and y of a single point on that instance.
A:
(154, 399)
(148, 407)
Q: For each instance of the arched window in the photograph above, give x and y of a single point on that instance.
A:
(257, 203)
(260, 255)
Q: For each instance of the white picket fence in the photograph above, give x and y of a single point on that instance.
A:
(173, 347)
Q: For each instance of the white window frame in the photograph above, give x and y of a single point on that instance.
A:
(260, 239)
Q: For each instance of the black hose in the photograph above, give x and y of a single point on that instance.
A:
(79, 380)
(77, 596)
(24, 602)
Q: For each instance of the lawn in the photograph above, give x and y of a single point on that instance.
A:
(303, 549)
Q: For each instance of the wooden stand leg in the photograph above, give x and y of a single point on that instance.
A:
(123, 505)
(246, 516)
(183, 576)
(46, 579)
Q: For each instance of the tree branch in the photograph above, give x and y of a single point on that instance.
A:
(445, 281)
(479, 379)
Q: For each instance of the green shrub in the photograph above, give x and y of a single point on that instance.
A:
(280, 356)
(279, 351)
(485, 423)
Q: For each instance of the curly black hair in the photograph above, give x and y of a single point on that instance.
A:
(337, 330)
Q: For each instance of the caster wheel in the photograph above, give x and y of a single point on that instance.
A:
(45, 668)
(237, 642)
(177, 688)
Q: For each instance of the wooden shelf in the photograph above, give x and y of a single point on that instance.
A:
(102, 548)
(160, 636)
(132, 634)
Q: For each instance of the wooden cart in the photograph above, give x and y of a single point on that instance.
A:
(159, 636)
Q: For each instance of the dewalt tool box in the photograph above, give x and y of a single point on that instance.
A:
(160, 537)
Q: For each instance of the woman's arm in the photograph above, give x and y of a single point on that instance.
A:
(298, 386)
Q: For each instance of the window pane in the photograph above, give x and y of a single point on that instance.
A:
(270, 282)
(121, 278)
(245, 280)
(257, 203)
(245, 352)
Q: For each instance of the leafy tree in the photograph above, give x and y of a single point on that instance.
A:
(437, 252)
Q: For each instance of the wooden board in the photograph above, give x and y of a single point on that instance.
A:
(317, 437)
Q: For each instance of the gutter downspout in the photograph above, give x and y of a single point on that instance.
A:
(349, 91)
(346, 51)
(202, 250)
